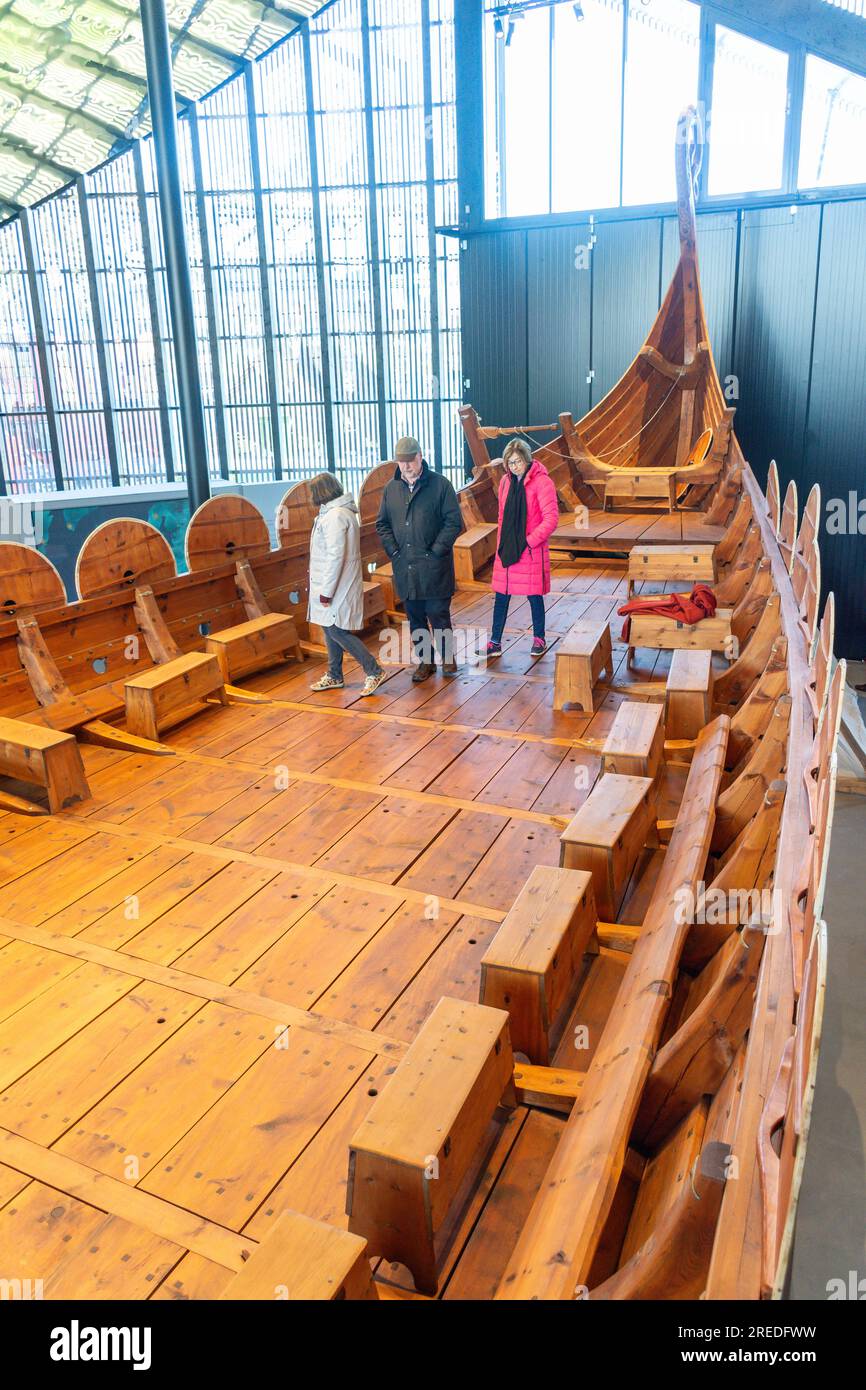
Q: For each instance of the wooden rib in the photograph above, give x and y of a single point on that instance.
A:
(788, 526)
(672, 1263)
(555, 1250)
(749, 721)
(748, 866)
(732, 685)
(694, 1061)
(740, 801)
(823, 660)
(774, 504)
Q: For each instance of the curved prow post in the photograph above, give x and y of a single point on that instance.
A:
(690, 155)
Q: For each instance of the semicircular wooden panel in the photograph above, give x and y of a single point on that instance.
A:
(296, 513)
(699, 450)
(29, 583)
(225, 528)
(370, 496)
(122, 554)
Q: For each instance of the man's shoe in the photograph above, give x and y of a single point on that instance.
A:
(423, 672)
(449, 668)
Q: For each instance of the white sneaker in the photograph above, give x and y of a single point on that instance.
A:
(372, 683)
(327, 683)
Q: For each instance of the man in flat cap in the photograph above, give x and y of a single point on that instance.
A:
(419, 521)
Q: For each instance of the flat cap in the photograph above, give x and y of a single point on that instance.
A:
(407, 448)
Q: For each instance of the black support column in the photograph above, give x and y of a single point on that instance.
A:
(157, 52)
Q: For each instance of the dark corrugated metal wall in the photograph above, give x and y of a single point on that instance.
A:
(785, 295)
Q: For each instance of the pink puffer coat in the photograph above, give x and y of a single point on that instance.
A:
(531, 574)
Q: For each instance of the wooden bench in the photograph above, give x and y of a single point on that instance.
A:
(167, 694)
(667, 634)
(302, 1260)
(254, 645)
(375, 609)
(580, 659)
(689, 694)
(533, 966)
(31, 585)
(635, 743)
(606, 836)
(44, 757)
(411, 1155)
(660, 563)
(473, 550)
(651, 484)
(556, 1248)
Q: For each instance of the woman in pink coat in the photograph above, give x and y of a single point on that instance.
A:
(528, 514)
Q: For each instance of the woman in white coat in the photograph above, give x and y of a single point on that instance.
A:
(337, 584)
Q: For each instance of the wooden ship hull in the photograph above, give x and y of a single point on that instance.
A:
(501, 987)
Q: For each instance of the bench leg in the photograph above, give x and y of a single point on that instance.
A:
(65, 776)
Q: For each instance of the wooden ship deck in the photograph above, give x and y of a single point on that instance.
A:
(266, 962)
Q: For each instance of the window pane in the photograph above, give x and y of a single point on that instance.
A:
(523, 49)
(833, 137)
(747, 129)
(661, 78)
(587, 89)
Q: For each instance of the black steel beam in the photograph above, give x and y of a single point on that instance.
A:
(264, 277)
(153, 306)
(375, 254)
(46, 380)
(468, 43)
(209, 303)
(98, 333)
(435, 356)
(157, 52)
(318, 247)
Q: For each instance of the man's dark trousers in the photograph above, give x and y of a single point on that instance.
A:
(424, 614)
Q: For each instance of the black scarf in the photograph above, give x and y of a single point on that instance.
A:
(512, 541)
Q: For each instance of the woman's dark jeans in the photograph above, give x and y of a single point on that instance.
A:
(500, 613)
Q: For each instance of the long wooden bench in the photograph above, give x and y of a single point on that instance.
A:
(532, 967)
(581, 657)
(607, 835)
(125, 554)
(302, 1260)
(374, 613)
(410, 1157)
(32, 586)
(554, 1253)
(658, 564)
(229, 528)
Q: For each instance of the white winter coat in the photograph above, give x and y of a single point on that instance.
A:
(335, 566)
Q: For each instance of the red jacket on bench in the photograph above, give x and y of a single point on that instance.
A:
(684, 608)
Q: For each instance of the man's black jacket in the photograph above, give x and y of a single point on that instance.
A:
(418, 530)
